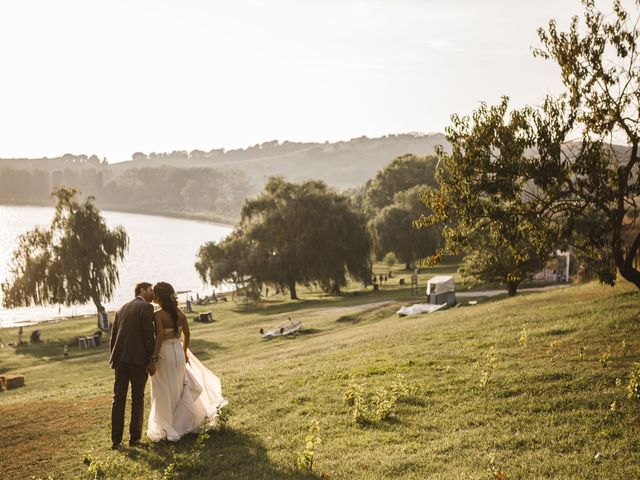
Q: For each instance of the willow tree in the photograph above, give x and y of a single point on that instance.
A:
(291, 234)
(72, 261)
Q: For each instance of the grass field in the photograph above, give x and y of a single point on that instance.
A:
(509, 388)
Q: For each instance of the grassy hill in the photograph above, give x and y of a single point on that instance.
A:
(521, 387)
(343, 164)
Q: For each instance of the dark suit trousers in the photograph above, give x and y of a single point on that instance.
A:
(136, 375)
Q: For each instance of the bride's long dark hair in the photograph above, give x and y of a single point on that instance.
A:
(168, 300)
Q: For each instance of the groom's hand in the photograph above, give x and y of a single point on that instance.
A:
(151, 368)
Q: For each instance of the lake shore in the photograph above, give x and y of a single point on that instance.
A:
(212, 218)
(161, 248)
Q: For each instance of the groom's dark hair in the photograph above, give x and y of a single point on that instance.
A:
(141, 286)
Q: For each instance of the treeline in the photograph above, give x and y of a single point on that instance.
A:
(24, 186)
(207, 192)
(215, 194)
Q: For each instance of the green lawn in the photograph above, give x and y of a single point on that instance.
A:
(544, 410)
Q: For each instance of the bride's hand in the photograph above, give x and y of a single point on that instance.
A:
(186, 357)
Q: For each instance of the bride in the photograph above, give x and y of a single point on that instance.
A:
(183, 391)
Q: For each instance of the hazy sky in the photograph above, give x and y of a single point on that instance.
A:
(115, 77)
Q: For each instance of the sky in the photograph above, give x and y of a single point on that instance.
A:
(114, 77)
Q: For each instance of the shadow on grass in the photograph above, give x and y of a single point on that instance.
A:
(286, 308)
(353, 319)
(339, 301)
(293, 336)
(54, 350)
(225, 455)
(203, 349)
(309, 331)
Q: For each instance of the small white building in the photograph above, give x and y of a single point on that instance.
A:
(556, 268)
(441, 289)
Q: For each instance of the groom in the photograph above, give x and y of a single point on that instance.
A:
(131, 348)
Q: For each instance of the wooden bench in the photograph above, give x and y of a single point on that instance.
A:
(86, 342)
(12, 381)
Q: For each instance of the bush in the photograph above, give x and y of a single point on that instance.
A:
(306, 458)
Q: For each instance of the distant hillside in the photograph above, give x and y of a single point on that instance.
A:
(342, 164)
(210, 185)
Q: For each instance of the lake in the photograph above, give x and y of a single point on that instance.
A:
(160, 249)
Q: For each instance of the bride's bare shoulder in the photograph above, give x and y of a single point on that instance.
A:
(161, 317)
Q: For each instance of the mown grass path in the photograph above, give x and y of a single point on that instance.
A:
(544, 410)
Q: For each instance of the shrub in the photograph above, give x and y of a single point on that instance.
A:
(222, 419)
(605, 358)
(488, 367)
(306, 458)
(523, 341)
(383, 404)
(633, 385)
(378, 405)
(353, 391)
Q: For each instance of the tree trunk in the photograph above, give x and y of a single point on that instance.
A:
(512, 288)
(625, 265)
(292, 290)
(335, 288)
(97, 303)
(407, 265)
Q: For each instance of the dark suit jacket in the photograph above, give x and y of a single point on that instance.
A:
(132, 336)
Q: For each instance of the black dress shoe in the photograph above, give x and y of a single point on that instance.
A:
(135, 443)
(115, 446)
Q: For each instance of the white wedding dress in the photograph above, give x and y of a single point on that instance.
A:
(182, 394)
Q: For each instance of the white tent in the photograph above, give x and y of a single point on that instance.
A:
(440, 284)
(441, 289)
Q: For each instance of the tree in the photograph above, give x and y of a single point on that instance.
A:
(401, 174)
(291, 234)
(394, 232)
(484, 200)
(389, 260)
(600, 69)
(73, 261)
(233, 259)
(139, 156)
(489, 261)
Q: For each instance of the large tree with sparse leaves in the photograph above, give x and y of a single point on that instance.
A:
(538, 174)
(599, 60)
(72, 261)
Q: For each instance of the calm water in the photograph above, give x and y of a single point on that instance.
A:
(161, 249)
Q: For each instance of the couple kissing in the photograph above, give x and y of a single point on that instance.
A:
(143, 342)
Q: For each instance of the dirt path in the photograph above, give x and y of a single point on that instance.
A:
(319, 312)
(493, 293)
